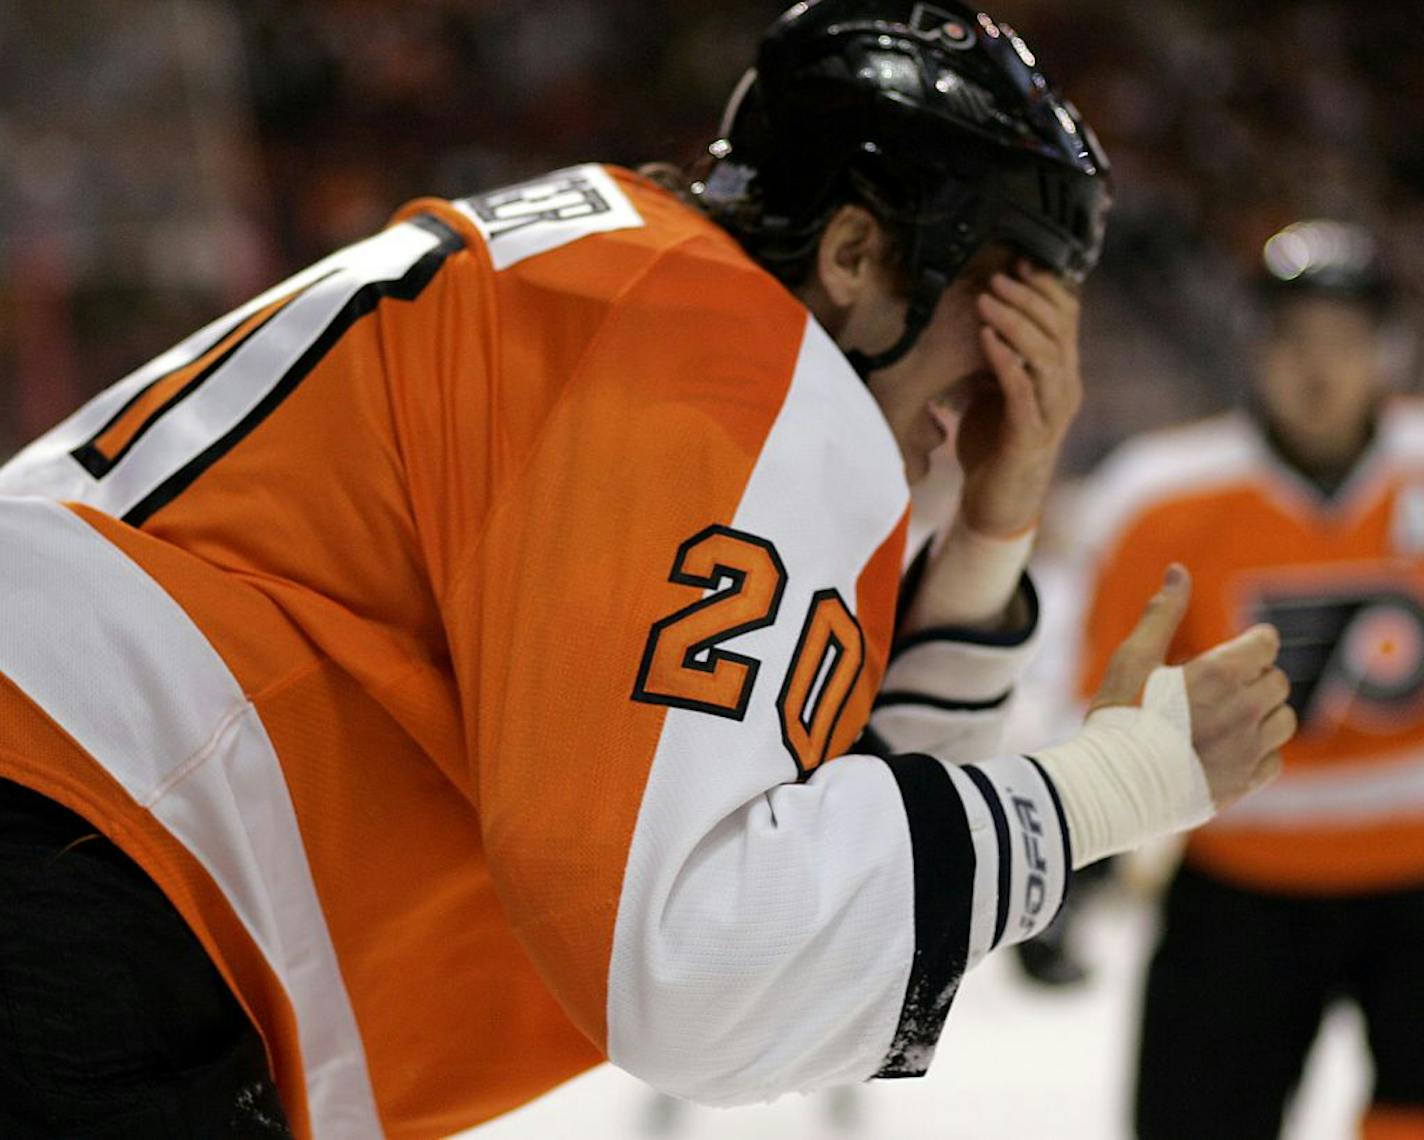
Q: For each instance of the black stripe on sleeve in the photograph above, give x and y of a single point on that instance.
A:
(1062, 828)
(943, 855)
(1001, 827)
(905, 697)
(1010, 640)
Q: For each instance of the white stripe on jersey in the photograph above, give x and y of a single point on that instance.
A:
(116, 663)
(1037, 872)
(724, 834)
(1350, 794)
(47, 469)
(986, 865)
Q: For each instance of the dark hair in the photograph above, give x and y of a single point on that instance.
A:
(790, 257)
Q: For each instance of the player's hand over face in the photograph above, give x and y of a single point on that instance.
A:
(1237, 695)
(1013, 428)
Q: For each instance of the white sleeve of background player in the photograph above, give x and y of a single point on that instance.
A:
(776, 934)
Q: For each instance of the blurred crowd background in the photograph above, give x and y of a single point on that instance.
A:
(161, 160)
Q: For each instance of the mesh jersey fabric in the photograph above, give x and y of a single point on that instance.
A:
(461, 633)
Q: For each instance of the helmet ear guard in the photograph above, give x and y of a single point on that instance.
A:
(924, 298)
(934, 116)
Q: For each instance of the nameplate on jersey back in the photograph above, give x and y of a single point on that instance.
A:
(545, 213)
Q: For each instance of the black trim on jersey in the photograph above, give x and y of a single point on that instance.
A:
(871, 743)
(1001, 827)
(364, 301)
(1062, 827)
(905, 697)
(94, 461)
(943, 855)
(964, 636)
(709, 644)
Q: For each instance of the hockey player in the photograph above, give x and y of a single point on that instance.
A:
(469, 639)
(1305, 510)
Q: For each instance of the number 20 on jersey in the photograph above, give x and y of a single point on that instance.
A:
(685, 666)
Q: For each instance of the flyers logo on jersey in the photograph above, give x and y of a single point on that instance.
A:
(1353, 658)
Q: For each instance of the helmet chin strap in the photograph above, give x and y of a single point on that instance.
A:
(923, 300)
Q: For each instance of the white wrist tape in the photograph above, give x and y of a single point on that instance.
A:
(981, 574)
(1131, 774)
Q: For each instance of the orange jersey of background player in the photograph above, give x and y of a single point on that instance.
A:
(1343, 579)
(403, 594)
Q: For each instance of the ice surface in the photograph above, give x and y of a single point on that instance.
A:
(1016, 1063)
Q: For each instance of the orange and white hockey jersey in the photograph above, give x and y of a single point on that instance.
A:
(460, 634)
(1343, 580)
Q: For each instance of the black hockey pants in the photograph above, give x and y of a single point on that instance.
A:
(114, 1025)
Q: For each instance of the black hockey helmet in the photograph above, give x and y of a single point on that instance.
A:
(934, 114)
(1325, 258)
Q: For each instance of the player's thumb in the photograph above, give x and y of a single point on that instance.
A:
(1146, 646)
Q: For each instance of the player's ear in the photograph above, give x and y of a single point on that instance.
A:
(850, 256)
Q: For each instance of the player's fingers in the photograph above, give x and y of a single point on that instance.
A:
(1266, 771)
(1021, 404)
(1053, 380)
(1047, 301)
(1152, 636)
(1018, 331)
(1269, 691)
(1242, 659)
(1278, 728)
(1249, 654)
(1146, 646)
(1045, 311)
(1062, 393)
(1050, 286)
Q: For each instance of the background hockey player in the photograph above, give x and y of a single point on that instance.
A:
(469, 639)
(1306, 510)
